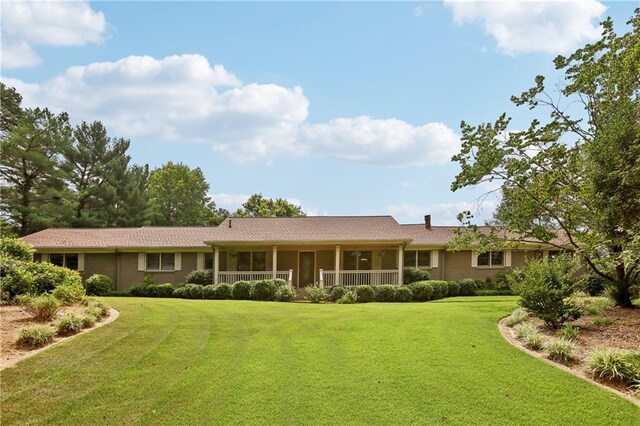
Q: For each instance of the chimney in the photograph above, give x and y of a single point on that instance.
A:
(427, 221)
(229, 223)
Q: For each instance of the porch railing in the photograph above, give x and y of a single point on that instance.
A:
(354, 278)
(231, 277)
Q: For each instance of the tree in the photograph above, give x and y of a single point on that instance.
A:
(178, 196)
(93, 161)
(575, 180)
(258, 206)
(132, 198)
(32, 180)
(10, 101)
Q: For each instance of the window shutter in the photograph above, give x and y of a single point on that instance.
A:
(178, 262)
(80, 262)
(474, 259)
(507, 258)
(434, 258)
(200, 261)
(141, 265)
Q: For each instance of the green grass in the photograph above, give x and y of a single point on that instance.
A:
(167, 361)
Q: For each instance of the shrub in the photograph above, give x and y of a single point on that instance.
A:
(194, 291)
(241, 290)
(316, 294)
(202, 277)
(593, 305)
(68, 294)
(559, 349)
(69, 323)
(545, 287)
(88, 320)
(152, 290)
(569, 332)
(163, 290)
(263, 290)
(20, 277)
(524, 329)
(35, 336)
(404, 294)
(181, 292)
(485, 292)
(453, 288)
(119, 293)
(98, 306)
(440, 289)
(365, 294)
(385, 293)
(14, 248)
(337, 292)
(280, 282)
(222, 291)
(468, 287)
(348, 298)
(593, 284)
(517, 316)
(534, 340)
(603, 321)
(285, 293)
(139, 290)
(412, 275)
(615, 364)
(48, 277)
(149, 280)
(99, 285)
(422, 291)
(209, 291)
(41, 308)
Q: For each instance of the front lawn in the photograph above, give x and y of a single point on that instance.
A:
(169, 361)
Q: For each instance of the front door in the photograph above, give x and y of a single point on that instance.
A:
(306, 268)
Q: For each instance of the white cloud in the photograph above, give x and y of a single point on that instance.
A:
(185, 99)
(50, 23)
(522, 26)
(232, 202)
(418, 11)
(441, 213)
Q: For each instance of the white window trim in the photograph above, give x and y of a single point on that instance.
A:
(433, 259)
(506, 260)
(177, 262)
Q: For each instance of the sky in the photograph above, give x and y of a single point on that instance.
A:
(343, 108)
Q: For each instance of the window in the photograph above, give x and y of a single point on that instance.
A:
(354, 260)
(417, 258)
(222, 261)
(161, 261)
(252, 261)
(208, 261)
(68, 260)
(491, 258)
(389, 259)
(553, 253)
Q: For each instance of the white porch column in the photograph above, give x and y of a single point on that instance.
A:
(337, 266)
(400, 264)
(216, 264)
(274, 261)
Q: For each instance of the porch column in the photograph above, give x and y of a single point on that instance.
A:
(337, 282)
(216, 264)
(274, 261)
(400, 264)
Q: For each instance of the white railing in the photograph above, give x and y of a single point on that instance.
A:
(231, 277)
(354, 278)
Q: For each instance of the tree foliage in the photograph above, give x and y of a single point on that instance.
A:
(573, 181)
(258, 206)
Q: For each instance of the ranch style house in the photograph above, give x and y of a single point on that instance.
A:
(345, 250)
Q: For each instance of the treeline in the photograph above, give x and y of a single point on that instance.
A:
(57, 175)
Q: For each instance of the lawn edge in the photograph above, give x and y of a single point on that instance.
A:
(507, 334)
(113, 315)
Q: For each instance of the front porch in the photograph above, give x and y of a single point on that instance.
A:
(346, 265)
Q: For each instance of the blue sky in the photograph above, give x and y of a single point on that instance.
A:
(345, 108)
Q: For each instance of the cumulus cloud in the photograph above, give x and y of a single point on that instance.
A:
(186, 99)
(51, 23)
(522, 26)
(441, 213)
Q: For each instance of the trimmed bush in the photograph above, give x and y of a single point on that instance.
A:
(99, 285)
(35, 336)
(20, 277)
(440, 289)
(15, 248)
(68, 294)
(404, 294)
(208, 291)
(616, 364)
(164, 290)
(280, 282)
(365, 294)
(517, 316)
(241, 290)
(413, 275)
(422, 291)
(545, 287)
(337, 292)
(486, 292)
(194, 291)
(348, 298)
(285, 293)
(559, 349)
(453, 288)
(316, 294)
(468, 287)
(181, 292)
(41, 308)
(201, 277)
(222, 291)
(263, 290)
(69, 323)
(385, 293)
(152, 290)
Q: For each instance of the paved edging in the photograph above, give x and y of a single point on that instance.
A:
(507, 333)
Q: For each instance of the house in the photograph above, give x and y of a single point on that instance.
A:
(346, 250)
